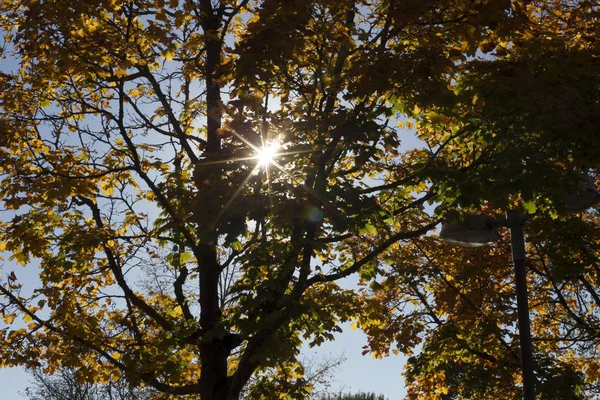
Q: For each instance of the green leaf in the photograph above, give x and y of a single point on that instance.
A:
(368, 229)
(530, 206)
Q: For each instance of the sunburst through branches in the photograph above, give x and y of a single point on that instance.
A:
(267, 153)
(266, 156)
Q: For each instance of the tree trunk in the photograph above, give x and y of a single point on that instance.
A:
(215, 346)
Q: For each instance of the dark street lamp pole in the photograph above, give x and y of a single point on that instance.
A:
(517, 239)
(479, 230)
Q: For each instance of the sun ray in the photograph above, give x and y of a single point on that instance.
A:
(269, 187)
(246, 141)
(225, 161)
(264, 145)
(291, 153)
(265, 156)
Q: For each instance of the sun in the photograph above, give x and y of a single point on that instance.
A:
(267, 153)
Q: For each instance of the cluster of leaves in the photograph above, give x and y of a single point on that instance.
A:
(168, 254)
(535, 90)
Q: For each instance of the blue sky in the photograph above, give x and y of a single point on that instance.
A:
(362, 372)
(358, 372)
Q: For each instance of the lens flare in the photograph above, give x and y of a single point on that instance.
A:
(267, 153)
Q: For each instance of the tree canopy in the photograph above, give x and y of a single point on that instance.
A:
(172, 253)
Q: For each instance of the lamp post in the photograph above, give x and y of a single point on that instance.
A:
(480, 230)
(517, 238)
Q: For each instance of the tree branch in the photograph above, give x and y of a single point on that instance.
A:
(373, 254)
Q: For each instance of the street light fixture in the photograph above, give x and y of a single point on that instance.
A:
(475, 231)
(480, 230)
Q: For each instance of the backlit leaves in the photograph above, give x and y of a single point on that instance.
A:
(128, 141)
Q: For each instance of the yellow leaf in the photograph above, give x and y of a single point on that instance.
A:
(116, 356)
(168, 55)
(108, 188)
(103, 377)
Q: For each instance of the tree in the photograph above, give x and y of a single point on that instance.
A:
(64, 386)
(117, 145)
(458, 306)
(131, 134)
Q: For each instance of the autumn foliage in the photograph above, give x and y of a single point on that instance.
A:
(167, 254)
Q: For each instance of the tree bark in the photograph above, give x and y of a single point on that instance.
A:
(215, 346)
